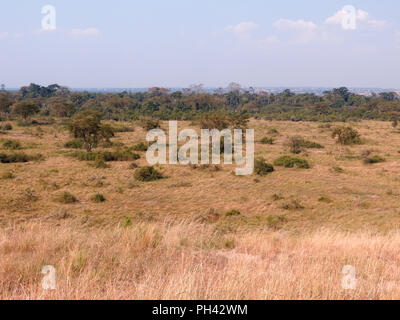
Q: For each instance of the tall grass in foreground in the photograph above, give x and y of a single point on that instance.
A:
(191, 261)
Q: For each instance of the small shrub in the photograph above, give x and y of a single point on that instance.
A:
(337, 169)
(276, 222)
(12, 145)
(127, 222)
(233, 212)
(7, 126)
(140, 146)
(374, 159)
(290, 162)
(295, 144)
(66, 198)
(267, 140)
(324, 199)
(74, 144)
(98, 198)
(148, 173)
(262, 168)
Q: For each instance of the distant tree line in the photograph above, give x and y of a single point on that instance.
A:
(336, 105)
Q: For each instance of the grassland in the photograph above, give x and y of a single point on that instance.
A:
(172, 238)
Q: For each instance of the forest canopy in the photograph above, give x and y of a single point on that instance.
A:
(338, 104)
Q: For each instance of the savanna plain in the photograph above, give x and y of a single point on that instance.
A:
(201, 232)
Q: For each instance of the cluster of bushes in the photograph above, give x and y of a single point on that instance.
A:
(18, 157)
(291, 162)
(119, 155)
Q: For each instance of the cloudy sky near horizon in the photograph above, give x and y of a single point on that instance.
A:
(175, 43)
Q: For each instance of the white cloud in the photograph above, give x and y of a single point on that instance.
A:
(300, 31)
(89, 32)
(300, 25)
(242, 29)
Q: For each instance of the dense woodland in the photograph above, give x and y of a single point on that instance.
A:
(335, 105)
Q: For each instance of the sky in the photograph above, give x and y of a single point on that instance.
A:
(176, 43)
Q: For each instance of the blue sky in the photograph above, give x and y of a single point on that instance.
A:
(175, 43)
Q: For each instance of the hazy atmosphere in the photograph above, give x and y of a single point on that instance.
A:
(177, 43)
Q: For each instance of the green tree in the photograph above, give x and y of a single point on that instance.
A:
(87, 126)
(346, 136)
(25, 109)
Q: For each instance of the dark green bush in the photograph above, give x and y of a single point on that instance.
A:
(74, 144)
(7, 126)
(148, 173)
(98, 197)
(66, 198)
(261, 167)
(296, 144)
(290, 162)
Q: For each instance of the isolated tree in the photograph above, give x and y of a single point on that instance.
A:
(87, 126)
(346, 136)
(25, 109)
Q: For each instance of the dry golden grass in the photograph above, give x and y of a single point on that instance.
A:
(190, 261)
(177, 247)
